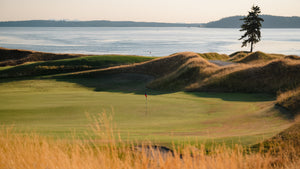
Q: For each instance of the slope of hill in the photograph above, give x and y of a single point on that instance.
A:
(286, 142)
(270, 22)
(257, 57)
(192, 70)
(237, 56)
(156, 67)
(214, 56)
(12, 57)
(267, 78)
(69, 65)
(290, 100)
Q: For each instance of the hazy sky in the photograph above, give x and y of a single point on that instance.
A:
(197, 11)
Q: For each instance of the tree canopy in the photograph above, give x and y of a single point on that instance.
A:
(252, 25)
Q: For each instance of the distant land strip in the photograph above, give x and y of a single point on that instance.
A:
(228, 22)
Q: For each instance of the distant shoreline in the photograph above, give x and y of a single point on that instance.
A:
(227, 22)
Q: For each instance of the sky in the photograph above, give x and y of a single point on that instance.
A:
(173, 11)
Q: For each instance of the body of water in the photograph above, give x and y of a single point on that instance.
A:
(144, 41)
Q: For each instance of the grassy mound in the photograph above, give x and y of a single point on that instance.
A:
(238, 52)
(157, 67)
(12, 57)
(286, 143)
(214, 56)
(173, 72)
(237, 56)
(71, 65)
(188, 70)
(258, 57)
(294, 57)
(193, 70)
(269, 78)
(290, 100)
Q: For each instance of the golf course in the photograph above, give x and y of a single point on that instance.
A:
(244, 99)
(59, 97)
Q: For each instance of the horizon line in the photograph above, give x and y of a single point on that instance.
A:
(77, 20)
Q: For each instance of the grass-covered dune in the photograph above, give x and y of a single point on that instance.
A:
(12, 57)
(171, 73)
(269, 78)
(71, 65)
(189, 71)
(257, 57)
(287, 141)
(194, 68)
(214, 56)
(290, 100)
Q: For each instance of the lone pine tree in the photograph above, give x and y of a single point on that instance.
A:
(252, 25)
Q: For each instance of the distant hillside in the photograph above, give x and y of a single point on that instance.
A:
(228, 22)
(270, 22)
(96, 23)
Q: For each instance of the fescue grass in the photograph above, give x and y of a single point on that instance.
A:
(290, 100)
(214, 56)
(193, 69)
(267, 78)
(287, 141)
(258, 57)
(71, 65)
(12, 57)
(189, 71)
(294, 57)
(22, 151)
(237, 56)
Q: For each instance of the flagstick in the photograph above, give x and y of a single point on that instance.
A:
(146, 106)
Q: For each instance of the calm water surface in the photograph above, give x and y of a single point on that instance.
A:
(143, 41)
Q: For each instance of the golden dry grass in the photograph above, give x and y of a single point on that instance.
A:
(295, 57)
(258, 57)
(12, 57)
(290, 100)
(27, 151)
(214, 56)
(194, 69)
(237, 55)
(157, 67)
(270, 77)
(189, 71)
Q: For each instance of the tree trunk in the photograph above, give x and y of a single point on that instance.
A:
(251, 49)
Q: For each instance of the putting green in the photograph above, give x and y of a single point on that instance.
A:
(58, 108)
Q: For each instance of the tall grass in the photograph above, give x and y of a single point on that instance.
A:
(290, 100)
(22, 151)
(71, 65)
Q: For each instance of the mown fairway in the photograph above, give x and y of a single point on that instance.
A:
(58, 108)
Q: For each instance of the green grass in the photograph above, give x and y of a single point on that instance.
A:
(70, 65)
(6, 67)
(59, 107)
